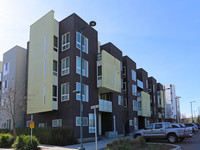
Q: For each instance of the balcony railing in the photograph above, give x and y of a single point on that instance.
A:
(105, 106)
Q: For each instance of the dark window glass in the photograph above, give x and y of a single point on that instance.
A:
(55, 41)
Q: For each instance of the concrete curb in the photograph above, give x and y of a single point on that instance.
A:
(177, 147)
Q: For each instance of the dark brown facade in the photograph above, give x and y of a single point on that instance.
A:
(153, 98)
(128, 82)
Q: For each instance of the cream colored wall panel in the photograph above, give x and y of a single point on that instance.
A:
(40, 49)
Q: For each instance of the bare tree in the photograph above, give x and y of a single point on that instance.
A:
(13, 102)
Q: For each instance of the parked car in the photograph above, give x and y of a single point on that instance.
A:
(179, 125)
(162, 130)
(198, 125)
(193, 125)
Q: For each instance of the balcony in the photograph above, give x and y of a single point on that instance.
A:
(105, 106)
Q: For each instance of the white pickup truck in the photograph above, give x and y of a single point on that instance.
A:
(162, 130)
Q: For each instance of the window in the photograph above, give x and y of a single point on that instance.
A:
(65, 41)
(124, 70)
(105, 96)
(133, 75)
(149, 127)
(140, 84)
(158, 126)
(78, 121)
(131, 122)
(5, 84)
(55, 68)
(139, 105)
(65, 66)
(81, 40)
(28, 123)
(54, 93)
(57, 123)
(136, 123)
(99, 73)
(119, 100)
(124, 86)
(134, 90)
(84, 65)
(135, 105)
(42, 125)
(147, 84)
(64, 92)
(5, 69)
(91, 123)
(85, 92)
(55, 41)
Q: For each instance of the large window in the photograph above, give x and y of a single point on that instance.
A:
(91, 123)
(82, 40)
(65, 92)
(135, 105)
(99, 73)
(55, 68)
(85, 92)
(55, 41)
(54, 93)
(78, 121)
(57, 123)
(84, 64)
(65, 66)
(5, 68)
(65, 41)
(134, 90)
(133, 75)
(119, 100)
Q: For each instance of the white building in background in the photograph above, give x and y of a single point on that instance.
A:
(172, 111)
(13, 80)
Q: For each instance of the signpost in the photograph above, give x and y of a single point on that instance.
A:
(95, 122)
(31, 126)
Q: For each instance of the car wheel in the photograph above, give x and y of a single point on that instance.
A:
(181, 139)
(172, 138)
(138, 135)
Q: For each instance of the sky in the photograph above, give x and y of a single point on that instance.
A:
(163, 37)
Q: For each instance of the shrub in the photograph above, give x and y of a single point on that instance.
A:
(6, 140)
(52, 136)
(127, 144)
(4, 131)
(24, 143)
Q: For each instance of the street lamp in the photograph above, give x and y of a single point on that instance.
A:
(92, 24)
(191, 109)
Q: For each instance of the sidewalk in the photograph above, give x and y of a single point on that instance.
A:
(87, 146)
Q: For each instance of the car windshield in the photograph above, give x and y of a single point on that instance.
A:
(182, 125)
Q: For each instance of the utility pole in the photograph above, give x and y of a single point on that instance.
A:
(191, 109)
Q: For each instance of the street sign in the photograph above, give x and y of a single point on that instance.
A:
(94, 106)
(31, 124)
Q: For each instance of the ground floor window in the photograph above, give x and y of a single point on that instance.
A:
(78, 121)
(136, 123)
(28, 123)
(91, 123)
(42, 125)
(57, 123)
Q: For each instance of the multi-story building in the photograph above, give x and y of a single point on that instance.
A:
(161, 103)
(172, 111)
(153, 98)
(55, 75)
(144, 107)
(13, 87)
(130, 95)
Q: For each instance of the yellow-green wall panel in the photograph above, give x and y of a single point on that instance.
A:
(41, 32)
(111, 73)
(145, 98)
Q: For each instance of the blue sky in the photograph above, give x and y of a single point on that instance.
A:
(163, 37)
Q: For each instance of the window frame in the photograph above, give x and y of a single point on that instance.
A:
(64, 69)
(64, 95)
(65, 45)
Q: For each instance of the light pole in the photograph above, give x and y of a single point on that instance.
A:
(92, 24)
(191, 109)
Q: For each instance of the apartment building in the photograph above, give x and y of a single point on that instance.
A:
(153, 98)
(143, 98)
(52, 100)
(13, 85)
(172, 111)
(130, 95)
(161, 102)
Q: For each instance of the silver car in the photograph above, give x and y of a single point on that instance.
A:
(179, 125)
